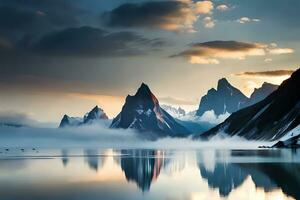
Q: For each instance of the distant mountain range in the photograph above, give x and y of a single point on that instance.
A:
(143, 113)
(94, 115)
(227, 98)
(269, 119)
(270, 113)
(174, 112)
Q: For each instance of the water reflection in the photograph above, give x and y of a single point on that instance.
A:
(92, 158)
(152, 174)
(142, 166)
(64, 157)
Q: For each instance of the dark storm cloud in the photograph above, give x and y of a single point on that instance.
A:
(218, 46)
(273, 73)
(143, 14)
(226, 45)
(20, 17)
(88, 41)
(167, 15)
(210, 52)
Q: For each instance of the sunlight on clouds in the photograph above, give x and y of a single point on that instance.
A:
(189, 15)
(209, 22)
(244, 20)
(203, 7)
(210, 52)
(200, 60)
(222, 7)
(249, 87)
(281, 51)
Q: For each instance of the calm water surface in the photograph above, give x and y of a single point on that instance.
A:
(90, 174)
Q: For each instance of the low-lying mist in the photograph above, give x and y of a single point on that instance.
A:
(101, 136)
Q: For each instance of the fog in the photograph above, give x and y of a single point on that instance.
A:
(101, 136)
(207, 117)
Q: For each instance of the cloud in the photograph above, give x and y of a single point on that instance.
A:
(208, 117)
(278, 51)
(89, 41)
(274, 73)
(210, 52)
(209, 22)
(222, 7)
(268, 59)
(244, 20)
(250, 86)
(15, 119)
(100, 136)
(19, 18)
(175, 101)
(179, 15)
(211, 117)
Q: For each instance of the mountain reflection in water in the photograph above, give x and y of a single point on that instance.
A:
(151, 174)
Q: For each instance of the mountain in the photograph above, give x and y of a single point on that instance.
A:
(262, 92)
(269, 119)
(290, 140)
(174, 112)
(193, 123)
(94, 115)
(143, 113)
(70, 121)
(229, 99)
(225, 99)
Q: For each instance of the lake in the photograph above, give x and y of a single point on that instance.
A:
(90, 174)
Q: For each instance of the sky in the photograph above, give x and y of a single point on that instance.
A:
(66, 56)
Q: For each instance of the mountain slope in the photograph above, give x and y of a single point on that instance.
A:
(94, 115)
(269, 119)
(225, 99)
(143, 113)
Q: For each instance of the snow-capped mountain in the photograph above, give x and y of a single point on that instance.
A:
(269, 119)
(225, 98)
(228, 99)
(94, 115)
(70, 121)
(174, 112)
(143, 113)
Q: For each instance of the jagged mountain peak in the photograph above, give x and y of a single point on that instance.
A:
(262, 92)
(144, 92)
(143, 113)
(143, 89)
(225, 99)
(95, 114)
(223, 82)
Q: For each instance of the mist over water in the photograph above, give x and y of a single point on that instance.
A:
(100, 135)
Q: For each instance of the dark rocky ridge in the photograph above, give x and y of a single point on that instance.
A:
(143, 113)
(227, 98)
(269, 119)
